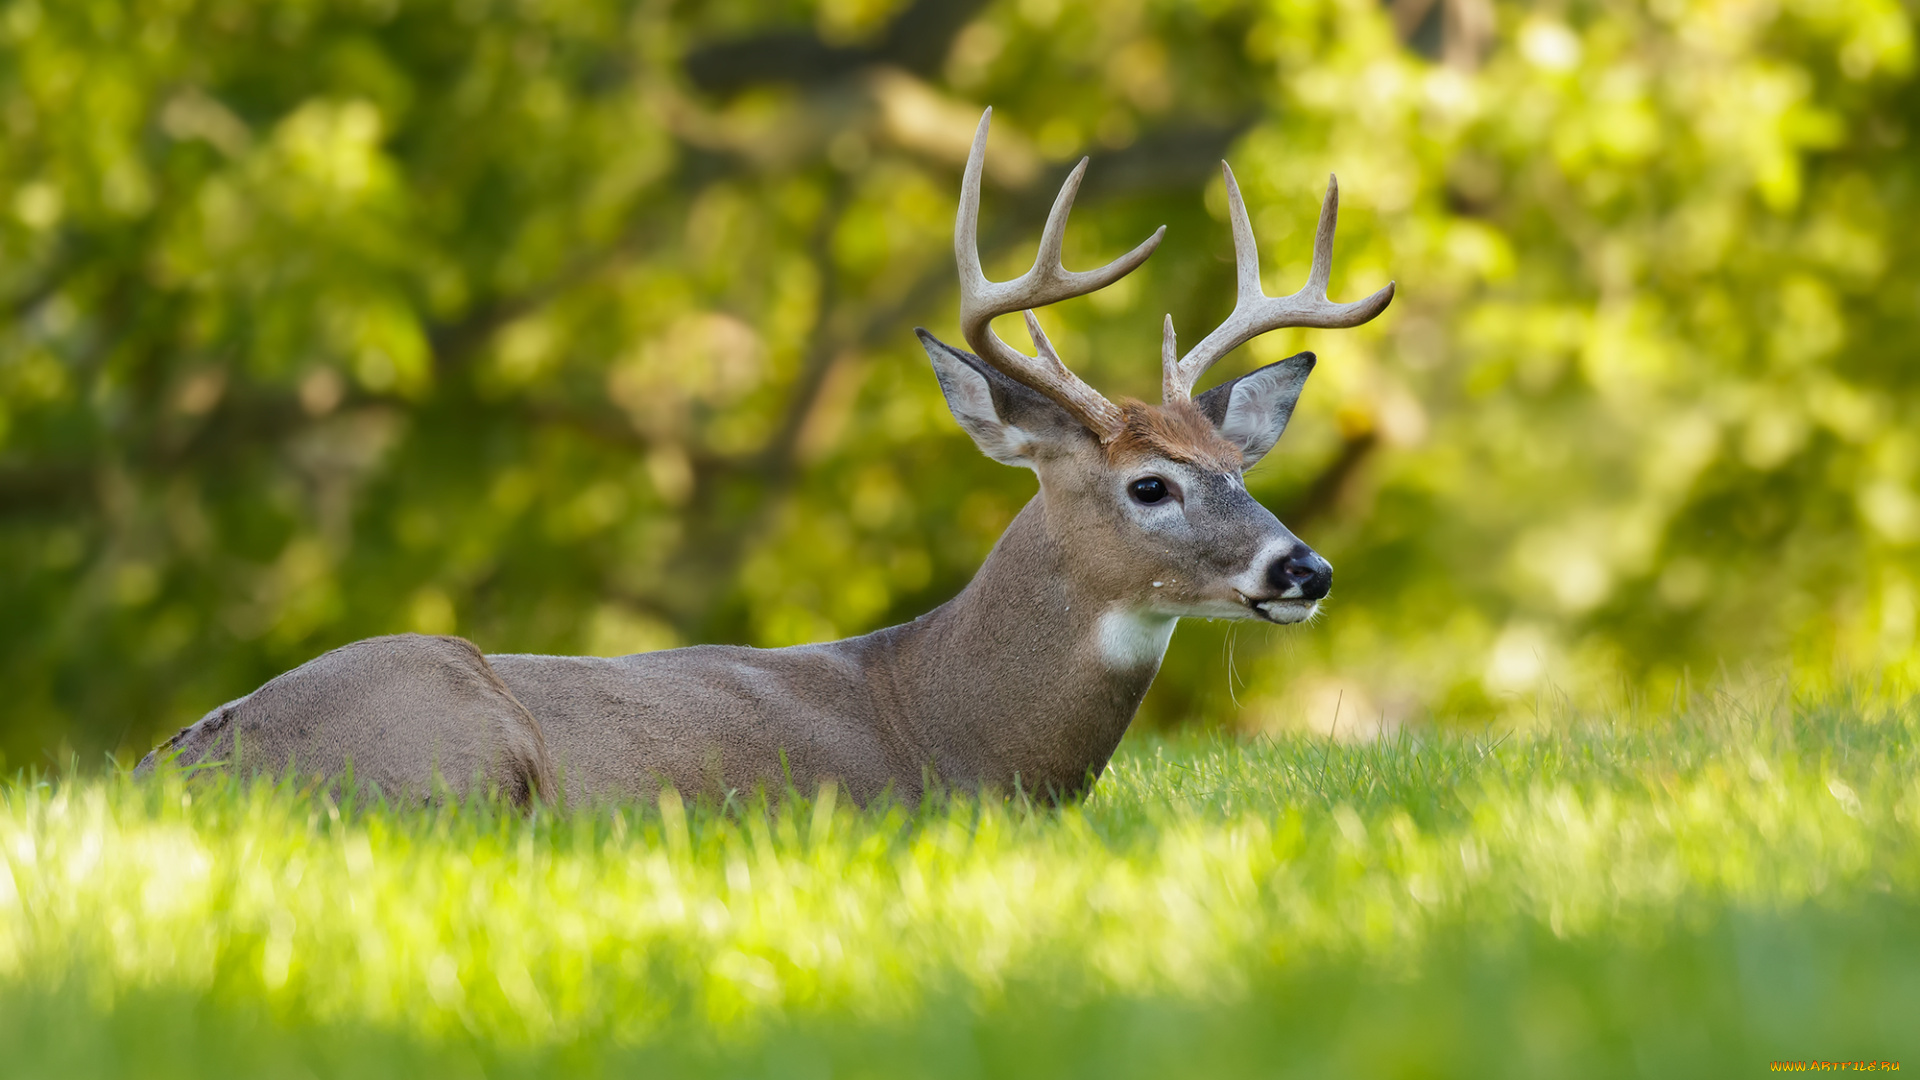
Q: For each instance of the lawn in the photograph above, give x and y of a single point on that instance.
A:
(1685, 893)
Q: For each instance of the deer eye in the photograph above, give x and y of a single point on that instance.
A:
(1148, 490)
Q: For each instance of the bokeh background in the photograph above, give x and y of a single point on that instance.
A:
(585, 326)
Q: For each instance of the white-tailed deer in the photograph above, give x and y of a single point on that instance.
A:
(1027, 678)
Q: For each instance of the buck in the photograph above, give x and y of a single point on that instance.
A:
(1027, 679)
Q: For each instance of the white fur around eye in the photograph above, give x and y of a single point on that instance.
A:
(1169, 515)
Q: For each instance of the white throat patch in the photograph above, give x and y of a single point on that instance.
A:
(1131, 639)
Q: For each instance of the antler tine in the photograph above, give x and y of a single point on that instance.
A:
(1040, 343)
(1254, 312)
(1169, 362)
(1045, 283)
(1053, 237)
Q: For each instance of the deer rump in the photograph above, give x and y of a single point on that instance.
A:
(1026, 680)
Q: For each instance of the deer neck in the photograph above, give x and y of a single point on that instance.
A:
(1030, 675)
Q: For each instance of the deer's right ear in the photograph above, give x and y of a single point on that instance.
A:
(1006, 420)
(1252, 410)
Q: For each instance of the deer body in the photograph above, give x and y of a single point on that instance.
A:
(1007, 684)
(1028, 678)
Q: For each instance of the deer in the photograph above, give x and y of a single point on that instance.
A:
(1023, 682)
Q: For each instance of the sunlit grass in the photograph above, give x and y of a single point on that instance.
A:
(1706, 891)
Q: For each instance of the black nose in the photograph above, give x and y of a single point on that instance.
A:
(1302, 570)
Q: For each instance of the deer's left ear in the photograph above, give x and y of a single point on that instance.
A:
(1252, 410)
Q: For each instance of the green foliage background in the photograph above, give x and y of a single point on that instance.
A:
(584, 326)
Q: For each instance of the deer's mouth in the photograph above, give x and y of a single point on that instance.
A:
(1287, 611)
(1279, 610)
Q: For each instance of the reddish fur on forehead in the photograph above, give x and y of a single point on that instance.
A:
(1178, 430)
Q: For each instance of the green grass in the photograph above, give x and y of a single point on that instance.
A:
(1696, 894)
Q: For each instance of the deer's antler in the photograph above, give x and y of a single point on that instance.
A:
(1254, 312)
(1047, 282)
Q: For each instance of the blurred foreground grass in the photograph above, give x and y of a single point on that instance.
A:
(1691, 894)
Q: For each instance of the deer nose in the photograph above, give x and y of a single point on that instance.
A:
(1302, 574)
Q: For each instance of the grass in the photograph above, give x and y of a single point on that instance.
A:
(1696, 894)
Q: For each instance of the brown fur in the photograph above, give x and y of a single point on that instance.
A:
(1178, 431)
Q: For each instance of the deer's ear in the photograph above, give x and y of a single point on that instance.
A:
(1252, 410)
(1008, 421)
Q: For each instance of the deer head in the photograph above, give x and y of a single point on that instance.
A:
(1147, 501)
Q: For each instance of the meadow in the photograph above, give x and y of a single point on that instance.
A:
(1693, 891)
